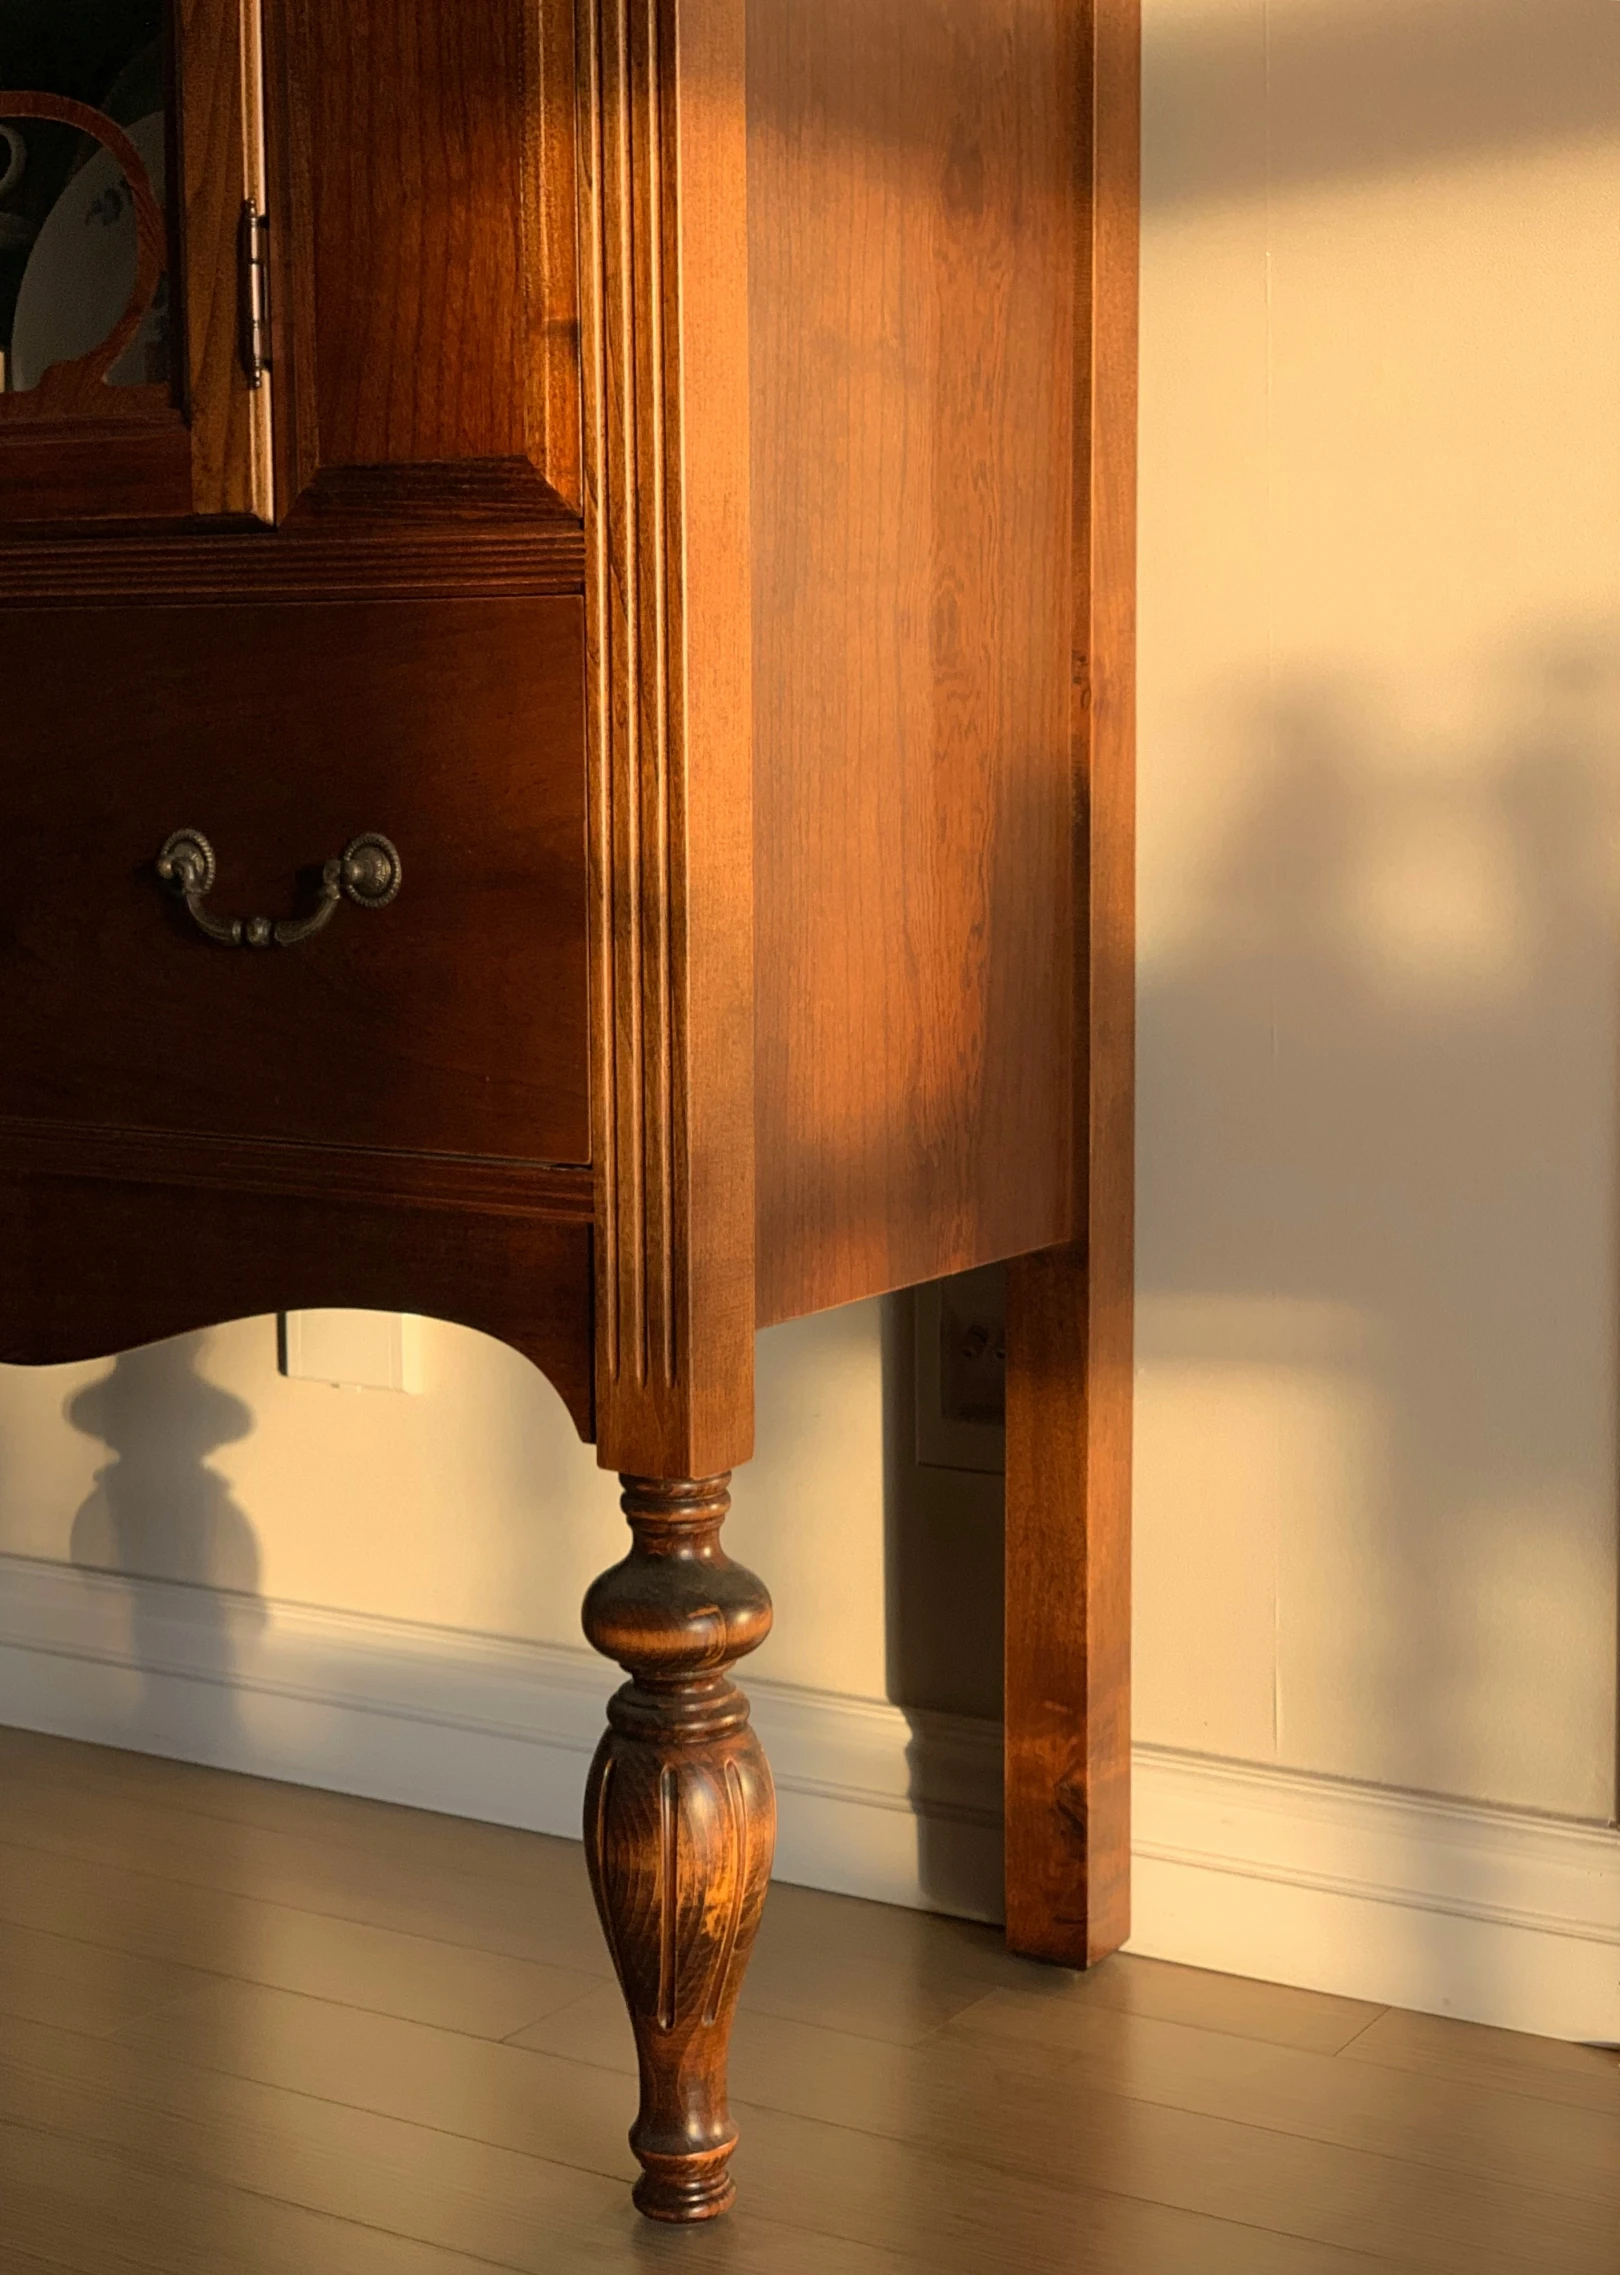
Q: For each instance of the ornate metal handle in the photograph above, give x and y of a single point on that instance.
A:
(368, 872)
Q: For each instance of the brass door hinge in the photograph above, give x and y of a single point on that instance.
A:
(253, 292)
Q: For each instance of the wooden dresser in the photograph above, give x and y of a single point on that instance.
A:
(566, 650)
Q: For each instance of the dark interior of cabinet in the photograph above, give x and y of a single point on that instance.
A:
(113, 57)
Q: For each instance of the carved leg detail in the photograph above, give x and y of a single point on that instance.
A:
(680, 1822)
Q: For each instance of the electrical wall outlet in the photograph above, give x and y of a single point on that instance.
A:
(961, 1341)
(352, 1350)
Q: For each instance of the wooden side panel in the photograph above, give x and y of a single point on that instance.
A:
(427, 273)
(1069, 1315)
(911, 181)
(664, 254)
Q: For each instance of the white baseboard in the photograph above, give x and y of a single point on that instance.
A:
(1491, 1915)
(903, 1808)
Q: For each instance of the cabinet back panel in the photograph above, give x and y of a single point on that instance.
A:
(453, 1021)
(417, 147)
(911, 248)
(425, 283)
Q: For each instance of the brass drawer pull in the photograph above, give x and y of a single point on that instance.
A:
(368, 872)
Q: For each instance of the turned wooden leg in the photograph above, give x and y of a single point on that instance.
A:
(680, 1822)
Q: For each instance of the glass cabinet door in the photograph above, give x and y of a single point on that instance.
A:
(132, 379)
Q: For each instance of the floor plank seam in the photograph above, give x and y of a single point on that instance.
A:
(551, 2014)
(306, 1911)
(1356, 2035)
(1078, 2193)
(145, 2161)
(984, 2114)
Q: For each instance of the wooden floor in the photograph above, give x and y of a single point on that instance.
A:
(247, 2029)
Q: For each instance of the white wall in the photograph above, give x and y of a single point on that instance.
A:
(1381, 890)
(1380, 1113)
(472, 1505)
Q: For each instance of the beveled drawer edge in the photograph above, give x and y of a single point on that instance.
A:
(562, 1193)
(235, 568)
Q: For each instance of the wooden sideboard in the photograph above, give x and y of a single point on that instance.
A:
(567, 663)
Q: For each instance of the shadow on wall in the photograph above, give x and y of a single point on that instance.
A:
(1355, 89)
(1379, 1222)
(159, 1511)
(1378, 1198)
(942, 1539)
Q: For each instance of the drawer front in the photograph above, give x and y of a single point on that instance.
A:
(453, 1020)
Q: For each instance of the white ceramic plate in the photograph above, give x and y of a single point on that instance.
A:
(81, 272)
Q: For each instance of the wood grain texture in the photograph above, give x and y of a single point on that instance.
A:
(1067, 1658)
(425, 270)
(663, 294)
(1116, 2111)
(283, 732)
(220, 77)
(911, 284)
(300, 1171)
(1141, 2120)
(366, 1864)
(68, 2196)
(1356, 2106)
(44, 1978)
(1070, 1313)
(160, 1259)
(680, 1822)
(551, 223)
(1158, 1990)
(146, 1928)
(362, 554)
(1495, 2061)
(87, 476)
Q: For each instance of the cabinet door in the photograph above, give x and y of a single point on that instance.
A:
(132, 384)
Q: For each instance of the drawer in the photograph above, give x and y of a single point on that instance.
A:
(453, 1020)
